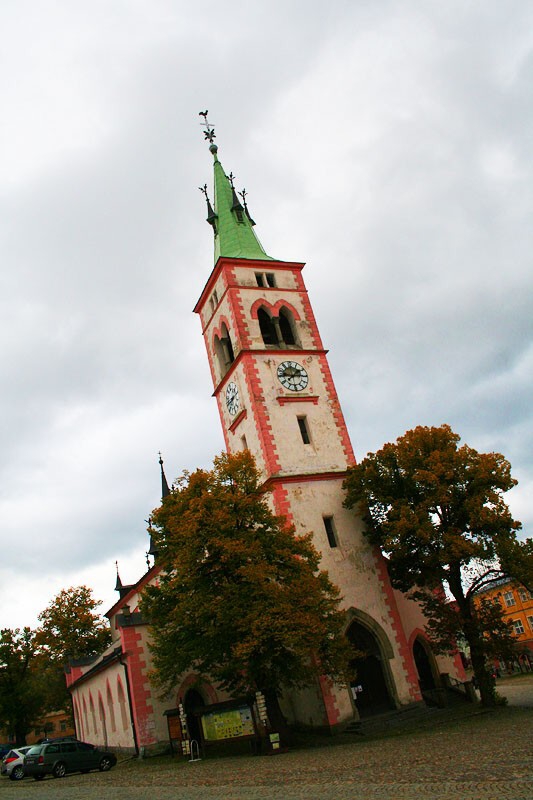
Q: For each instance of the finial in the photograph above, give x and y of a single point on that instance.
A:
(147, 556)
(211, 216)
(243, 195)
(209, 132)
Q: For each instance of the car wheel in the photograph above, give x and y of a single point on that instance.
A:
(59, 770)
(105, 764)
(17, 773)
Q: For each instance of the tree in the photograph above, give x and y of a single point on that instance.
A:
(437, 511)
(70, 628)
(240, 595)
(20, 684)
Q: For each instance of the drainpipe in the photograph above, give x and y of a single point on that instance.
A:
(128, 690)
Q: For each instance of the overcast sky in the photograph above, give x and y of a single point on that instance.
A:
(386, 144)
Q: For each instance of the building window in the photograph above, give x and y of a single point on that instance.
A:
(244, 443)
(265, 279)
(509, 599)
(63, 726)
(517, 625)
(523, 595)
(330, 531)
(224, 350)
(304, 430)
(286, 327)
(267, 328)
(530, 620)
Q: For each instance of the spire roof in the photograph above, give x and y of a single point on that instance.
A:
(165, 491)
(230, 219)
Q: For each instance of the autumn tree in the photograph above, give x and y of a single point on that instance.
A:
(21, 687)
(240, 598)
(438, 512)
(70, 628)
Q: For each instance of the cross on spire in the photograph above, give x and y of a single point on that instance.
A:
(209, 132)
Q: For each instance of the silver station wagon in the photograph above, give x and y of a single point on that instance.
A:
(58, 758)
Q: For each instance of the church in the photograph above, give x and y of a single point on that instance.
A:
(276, 397)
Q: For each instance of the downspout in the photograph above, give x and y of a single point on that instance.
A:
(128, 691)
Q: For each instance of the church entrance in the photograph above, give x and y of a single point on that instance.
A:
(368, 682)
(193, 702)
(424, 662)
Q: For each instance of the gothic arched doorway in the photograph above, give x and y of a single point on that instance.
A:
(368, 679)
(192, 703)
(425, 667)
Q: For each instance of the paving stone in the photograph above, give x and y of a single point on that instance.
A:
(482, 756)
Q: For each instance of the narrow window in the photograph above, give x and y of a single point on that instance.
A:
(530, 620)
(239, 215)
(270, 279)
(330, 531)
(286, 327)
(304, 430)
(227, 346)
(215, 297)
(268, 331)
(259, 278)
(244, 443)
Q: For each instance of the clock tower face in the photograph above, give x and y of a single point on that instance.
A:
(232, 398)
(292, 376)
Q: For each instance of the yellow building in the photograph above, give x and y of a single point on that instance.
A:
(517, 606)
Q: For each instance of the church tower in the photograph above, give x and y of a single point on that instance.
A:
(276, 397)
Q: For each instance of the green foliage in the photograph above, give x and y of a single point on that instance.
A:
(240, 597)
(21, 689)
(438, 512)
(70, 628)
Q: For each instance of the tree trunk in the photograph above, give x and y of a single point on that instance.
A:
(474, 637)
(278, 723)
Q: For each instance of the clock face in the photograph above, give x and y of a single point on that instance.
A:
(292, 376)
(232, 398)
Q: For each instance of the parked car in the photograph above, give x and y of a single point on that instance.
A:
(57, 739)
(58, 758)
(13, 763)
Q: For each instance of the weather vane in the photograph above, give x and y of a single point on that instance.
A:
(209, 132)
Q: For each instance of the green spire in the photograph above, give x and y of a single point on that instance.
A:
(233, 226)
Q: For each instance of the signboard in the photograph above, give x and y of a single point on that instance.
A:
(174, 727)
(228, 724)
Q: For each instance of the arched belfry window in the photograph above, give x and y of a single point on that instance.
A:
(224, 350)
(226, 345)
(287, 326)
(267, 328)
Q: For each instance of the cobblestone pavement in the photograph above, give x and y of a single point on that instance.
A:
(483, 756)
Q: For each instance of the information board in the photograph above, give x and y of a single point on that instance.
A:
(228, 724)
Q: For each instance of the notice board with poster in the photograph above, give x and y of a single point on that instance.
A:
(230, 723)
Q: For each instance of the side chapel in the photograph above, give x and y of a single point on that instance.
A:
(276, 397)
